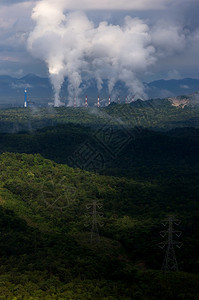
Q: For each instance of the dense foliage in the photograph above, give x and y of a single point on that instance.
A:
(154, 114)
(137, 177)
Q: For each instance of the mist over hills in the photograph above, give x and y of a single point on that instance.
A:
(40, 90)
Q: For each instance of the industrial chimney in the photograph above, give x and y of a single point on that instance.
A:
(86, 102)
(25, 98)
(98, 102)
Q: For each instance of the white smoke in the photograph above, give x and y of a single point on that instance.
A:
(73, 47)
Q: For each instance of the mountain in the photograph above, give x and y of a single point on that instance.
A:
(170, 88)
(72, 234)
(49, 249)
(12, 90)
(85, 194)
(40, 90)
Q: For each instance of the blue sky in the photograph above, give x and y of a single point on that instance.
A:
(177, 57)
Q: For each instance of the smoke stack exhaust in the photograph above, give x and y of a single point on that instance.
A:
(98, 102)
(75, 102)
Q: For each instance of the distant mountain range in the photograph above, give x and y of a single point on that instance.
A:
(12, 89)
(40, 90)
(171, 88)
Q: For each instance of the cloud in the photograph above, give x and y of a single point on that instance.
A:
(11, 72)
(14, 28)
(115, 5)
(169, 44)
(12, 2)
(73, 47)
(9, 58)
(184, 86)
(174, 74)
(168, 38)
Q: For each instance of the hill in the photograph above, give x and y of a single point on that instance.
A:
(158, 114)
(45, 245)
(83, 195)
(137, 153)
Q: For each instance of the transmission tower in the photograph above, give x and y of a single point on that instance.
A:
(95, 219)
(170, 261)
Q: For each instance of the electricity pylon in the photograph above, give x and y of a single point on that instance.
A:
(170, 261)
(95, 220)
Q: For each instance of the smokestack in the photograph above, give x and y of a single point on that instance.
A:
(25, 98)
(86, 102)
(118, 100)
(75, 102)
(98, 102)
(126, 100)
(109, 100)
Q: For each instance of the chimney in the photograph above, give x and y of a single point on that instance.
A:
(86, 102)
(25, 98)
(98, 102)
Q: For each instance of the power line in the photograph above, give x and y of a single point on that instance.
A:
(170, 261)
(95, 219)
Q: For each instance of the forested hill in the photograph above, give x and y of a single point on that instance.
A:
(45, 234)
(159, 114)
(137, 153)
(121, 170)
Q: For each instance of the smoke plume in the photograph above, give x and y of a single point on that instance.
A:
(73, 47)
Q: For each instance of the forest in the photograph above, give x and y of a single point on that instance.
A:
(85, 198)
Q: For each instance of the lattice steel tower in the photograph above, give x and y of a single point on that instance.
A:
(170, 261)
(95, 220)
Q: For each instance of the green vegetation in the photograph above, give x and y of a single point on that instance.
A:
(137, 153)
(153, 114)
(45, 248)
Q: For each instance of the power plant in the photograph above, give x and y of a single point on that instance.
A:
(103, 103)
(98, 104)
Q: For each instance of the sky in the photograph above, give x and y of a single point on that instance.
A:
(145, 40)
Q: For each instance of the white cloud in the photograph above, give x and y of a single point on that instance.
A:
(10, 72)
(184, 86)
(71, 45)
(108, 48)
(174, 74)
(168, 38)
(111, 4)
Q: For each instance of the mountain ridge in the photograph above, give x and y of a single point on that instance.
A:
(40, 89)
